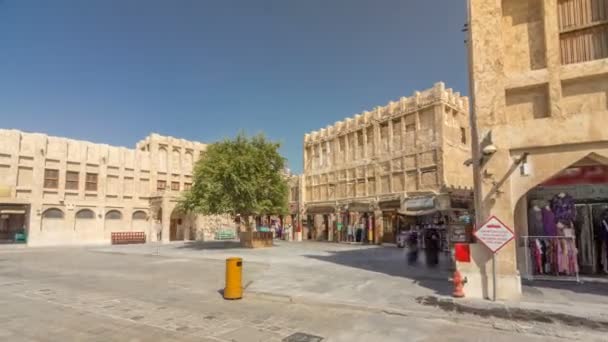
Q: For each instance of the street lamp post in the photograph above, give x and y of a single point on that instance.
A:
(475, 145)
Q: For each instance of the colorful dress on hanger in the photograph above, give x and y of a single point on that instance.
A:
(549, 225)
(563, 209)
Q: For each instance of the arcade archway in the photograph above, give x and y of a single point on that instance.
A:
(562, 223)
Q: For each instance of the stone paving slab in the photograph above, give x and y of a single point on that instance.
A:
(358, 265)
(175, 296)
(378, 277)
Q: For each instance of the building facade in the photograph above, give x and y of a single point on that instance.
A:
(61, 191)
(365, 169)
(540, 80)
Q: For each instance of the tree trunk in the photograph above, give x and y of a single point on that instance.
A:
(248, 223)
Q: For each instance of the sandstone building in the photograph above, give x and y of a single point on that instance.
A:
(64, 191)
(540, 78)
(406, 157)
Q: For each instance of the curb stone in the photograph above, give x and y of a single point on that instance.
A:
(504, 311)
(449, 305)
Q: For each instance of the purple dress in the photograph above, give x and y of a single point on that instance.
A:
(549, 224)
(564, 209)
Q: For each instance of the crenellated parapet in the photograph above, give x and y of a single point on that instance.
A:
(413, 103)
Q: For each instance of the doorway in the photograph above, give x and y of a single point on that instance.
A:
(13, 224)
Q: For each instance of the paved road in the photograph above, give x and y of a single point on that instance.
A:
(74, 294)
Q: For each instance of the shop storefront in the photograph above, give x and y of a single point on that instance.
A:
(358, 222)
(319, 223)
(567, 231)
(445, 217)
(13, 223)
(391, 219)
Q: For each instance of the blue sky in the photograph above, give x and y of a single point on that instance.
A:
(112, 71)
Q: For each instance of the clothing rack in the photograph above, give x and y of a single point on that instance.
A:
(530, 274)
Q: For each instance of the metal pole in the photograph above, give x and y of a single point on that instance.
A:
(493, 277)
(475, 148)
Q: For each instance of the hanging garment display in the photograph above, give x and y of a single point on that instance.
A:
(554, 256)
(604, 242)
(538, 256)
(549, 226)
(563, 208)
(535, 221)
(586, 243)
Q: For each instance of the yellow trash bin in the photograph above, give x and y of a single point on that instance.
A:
(234, 271)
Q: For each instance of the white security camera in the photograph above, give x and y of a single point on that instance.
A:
(489, 150)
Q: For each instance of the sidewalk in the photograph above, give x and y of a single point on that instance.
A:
(378, 279)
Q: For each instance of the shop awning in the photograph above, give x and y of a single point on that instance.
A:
(425, 205)
(320, 210)
(361, 207)
(390, 205)
(420, 203)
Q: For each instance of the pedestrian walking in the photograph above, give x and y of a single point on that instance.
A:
(432, 246)
(412, 245)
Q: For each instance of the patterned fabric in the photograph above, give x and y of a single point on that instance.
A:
(563, 208)
(549, 225)
(604, 230)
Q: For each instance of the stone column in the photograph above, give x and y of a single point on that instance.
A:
(365, 147)
(552, 56)
(376, 139)
(328, 156)
(379, 226)
(403, 131)
(166, 221)
(356, 145)
(330, 226)
(390, 136)
(347, 148)
(339, 221)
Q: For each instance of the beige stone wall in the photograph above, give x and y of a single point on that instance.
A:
(127, 180)
(531, 100)
(396, 149)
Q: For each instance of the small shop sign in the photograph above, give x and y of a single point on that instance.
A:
(494, 234)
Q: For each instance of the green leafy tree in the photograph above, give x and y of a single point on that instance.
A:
(243, 176)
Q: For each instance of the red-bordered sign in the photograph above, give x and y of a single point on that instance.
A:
(494, 234)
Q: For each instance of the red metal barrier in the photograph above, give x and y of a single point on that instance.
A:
(125, 238)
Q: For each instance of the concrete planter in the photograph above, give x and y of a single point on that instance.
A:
(256, 239)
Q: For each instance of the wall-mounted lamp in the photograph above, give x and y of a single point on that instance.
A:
(524, 166)
(489, 150)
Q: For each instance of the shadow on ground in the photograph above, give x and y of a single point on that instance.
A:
(535, 288)
(211, 245)
(393, 261)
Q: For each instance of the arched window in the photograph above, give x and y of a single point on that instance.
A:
(189, 158)
(53, 213)
(140, 215)
(85, 214)
(175, 160)
(113, 215)
(162, 159)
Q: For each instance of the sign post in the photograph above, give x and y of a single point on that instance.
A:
(494, 235)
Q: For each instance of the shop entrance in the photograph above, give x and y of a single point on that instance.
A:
(13, 224)
(568, 224)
